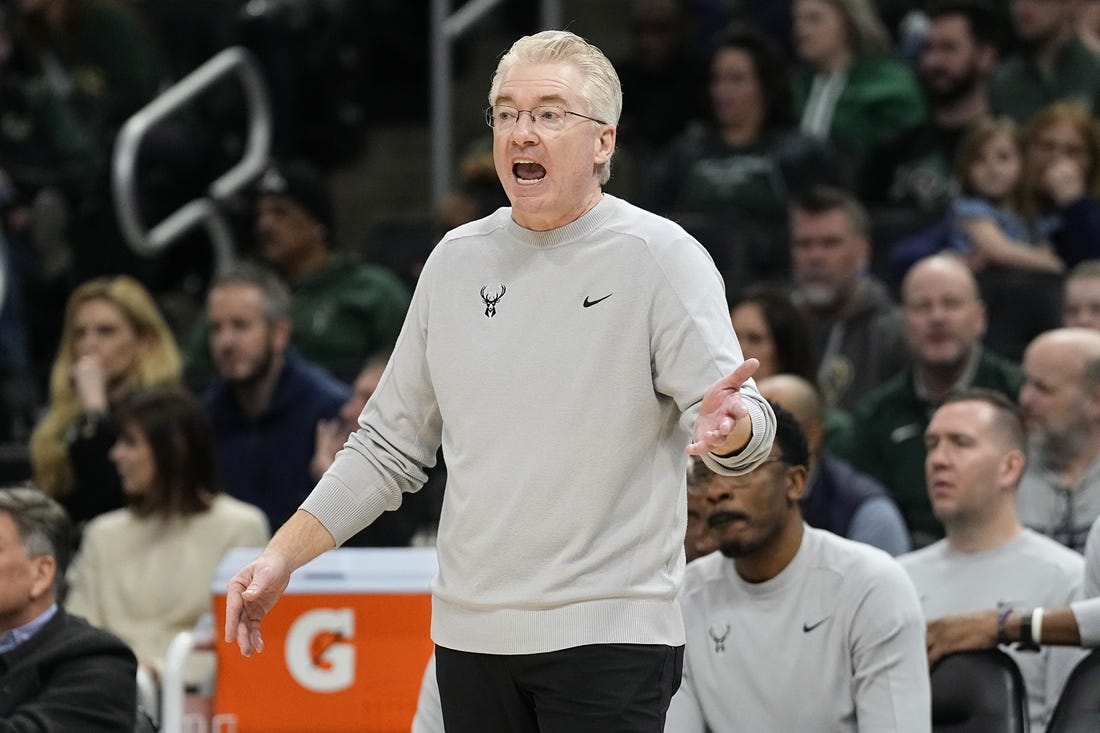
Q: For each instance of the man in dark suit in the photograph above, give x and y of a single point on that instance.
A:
(57, 672)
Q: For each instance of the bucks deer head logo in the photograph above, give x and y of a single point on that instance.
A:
(491, 299)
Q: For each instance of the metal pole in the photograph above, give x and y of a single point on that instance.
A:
(550, 14)
(440, 104)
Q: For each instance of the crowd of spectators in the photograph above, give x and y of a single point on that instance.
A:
(904, 203)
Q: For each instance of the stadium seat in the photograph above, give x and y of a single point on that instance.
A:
(978, 692)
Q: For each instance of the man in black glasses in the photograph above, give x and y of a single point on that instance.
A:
(791, 628)
(569, 352)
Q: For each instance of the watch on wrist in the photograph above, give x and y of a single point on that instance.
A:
(1002, 631)
(1026, 643)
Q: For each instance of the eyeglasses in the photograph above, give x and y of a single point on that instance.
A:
(546, 118)
(745, 481)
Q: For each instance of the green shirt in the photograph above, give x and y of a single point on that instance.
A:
(880, 100)
(888, 440)
(1021, 87)
(344, 312)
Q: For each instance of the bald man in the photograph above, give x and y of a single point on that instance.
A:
(1059, 495)
(945, 320)
(838, 498)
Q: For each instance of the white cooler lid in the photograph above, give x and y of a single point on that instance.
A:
(346, 570)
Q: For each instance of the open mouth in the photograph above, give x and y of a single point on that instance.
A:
(528, 171)
(720, 519)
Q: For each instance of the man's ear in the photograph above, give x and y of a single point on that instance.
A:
(281, 331)
(45, 571)
(796, 483)
(605, 144)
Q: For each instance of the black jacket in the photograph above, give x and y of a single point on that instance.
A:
(69, 677)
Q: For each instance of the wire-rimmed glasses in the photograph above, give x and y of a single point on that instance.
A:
(545, 117)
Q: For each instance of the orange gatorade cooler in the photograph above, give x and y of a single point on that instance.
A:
(345, 648)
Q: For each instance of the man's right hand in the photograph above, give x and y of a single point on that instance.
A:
(251, 594)
(961, 633)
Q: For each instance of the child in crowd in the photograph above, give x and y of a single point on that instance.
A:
(986, 224)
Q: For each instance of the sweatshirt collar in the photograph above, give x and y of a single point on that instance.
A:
(575, 230)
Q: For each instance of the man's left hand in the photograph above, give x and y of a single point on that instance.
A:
(720, 413)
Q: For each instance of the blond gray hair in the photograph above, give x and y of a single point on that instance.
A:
(602, 92)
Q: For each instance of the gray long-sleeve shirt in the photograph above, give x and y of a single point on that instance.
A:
(562, 371)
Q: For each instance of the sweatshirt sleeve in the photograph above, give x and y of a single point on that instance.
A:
(695, 346)
(399, 434)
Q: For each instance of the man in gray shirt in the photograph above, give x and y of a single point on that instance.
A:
(836, 621)
(975, 444)
(568, 352)
(1059, 494)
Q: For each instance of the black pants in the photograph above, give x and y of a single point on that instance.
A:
(600, 688)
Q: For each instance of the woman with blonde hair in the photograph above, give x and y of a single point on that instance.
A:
(113, 341)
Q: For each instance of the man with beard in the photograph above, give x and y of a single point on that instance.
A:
(1060, 493)
(266, 401)
(944, 323)
(976, 454)
(1054, 63)
(855, 326)
(954, 67)
(837, 621)
(343, 311)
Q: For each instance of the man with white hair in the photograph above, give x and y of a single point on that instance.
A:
(569, 352)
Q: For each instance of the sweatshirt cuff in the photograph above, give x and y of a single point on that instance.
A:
(755, 451)
(342, 511)
(1087, 614)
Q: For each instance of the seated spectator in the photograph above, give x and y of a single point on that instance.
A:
(144, 572)
(662, 79)
(697, 540)
(1059, 495)
(987, 227)
(266, 401)
(99, 58)
(1052, 63)
(1073, 624)
(976, 456)
(1062, 178)
(1081, 296)
(419, 513)
(855, 325)
(954, 67)
(1087, 23)
(772, 330)
(113, 341)
(342, 311)
(849, 91)
(859, 663)
(944, 323)
(837, 498)
(477, 194)
(748, 159)
(57, 672)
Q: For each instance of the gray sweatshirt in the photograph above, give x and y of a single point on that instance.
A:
(562, 371)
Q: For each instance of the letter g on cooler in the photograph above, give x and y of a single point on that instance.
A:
(320, 654)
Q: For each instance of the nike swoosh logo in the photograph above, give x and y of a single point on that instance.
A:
(808, 628)
(589, 303)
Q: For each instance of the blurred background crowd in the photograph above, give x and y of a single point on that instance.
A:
(902, 196)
